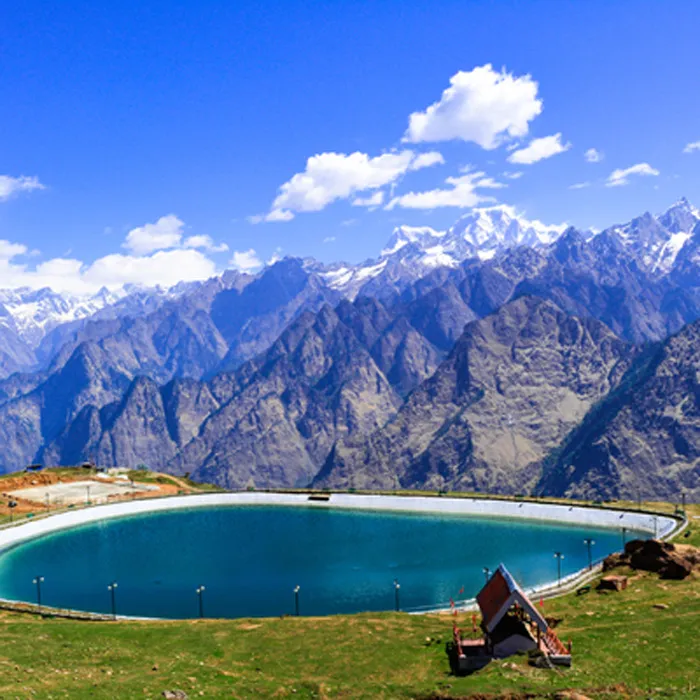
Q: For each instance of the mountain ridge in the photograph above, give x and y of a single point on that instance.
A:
(279, 377)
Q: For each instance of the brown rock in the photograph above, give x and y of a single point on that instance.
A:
(657, 556)
(676, 568)
(612, 561)
(612, 583)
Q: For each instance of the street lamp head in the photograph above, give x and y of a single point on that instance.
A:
(297, 589)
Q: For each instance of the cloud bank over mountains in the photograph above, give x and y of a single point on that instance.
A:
(159, 253)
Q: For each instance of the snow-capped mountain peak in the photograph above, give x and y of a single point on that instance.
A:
(657, 240)
(422, 236)
(413, 251)
(489, 230)
(680, 216)
(31, 313)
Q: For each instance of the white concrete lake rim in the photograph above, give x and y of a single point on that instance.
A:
(660, 526)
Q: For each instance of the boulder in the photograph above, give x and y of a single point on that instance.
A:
(657, 556)
(612, 583)
(676, 568)
(612, 561)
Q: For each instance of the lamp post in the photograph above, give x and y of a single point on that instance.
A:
(683, 501)
(12, 505)
(200, 596)
(87, 498)
(589, 543)
(487, 573)
(397, 588)
(558, 556)
(296, 600)
(624, 537)
(37, 582)
(112, 588)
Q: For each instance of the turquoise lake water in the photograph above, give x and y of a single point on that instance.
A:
(250, 558)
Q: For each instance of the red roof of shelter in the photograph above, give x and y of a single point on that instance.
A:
(499, 594)
(493, 596)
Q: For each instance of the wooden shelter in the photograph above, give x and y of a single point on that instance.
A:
(510, 624)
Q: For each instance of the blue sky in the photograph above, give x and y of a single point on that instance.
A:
(142, 141)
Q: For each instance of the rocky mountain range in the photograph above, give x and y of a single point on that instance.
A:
(501, 355)
(643, 439)
(514, 385)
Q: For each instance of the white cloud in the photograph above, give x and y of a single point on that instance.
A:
(164, 233)
(167, 234)
(10, 186)
(205, 243)
(374, 200)
(695, 146)
(10, 250)
(276, 215)
(481, 105)
(246, 260)
(513, 175)
(462, 193)
(579, 185)
(620, 177)
(165, 268)
(329, 239)
(593, 155)
(426, 160)
(181, 262)
(539, 149)
(332, 176)
(275, 257)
